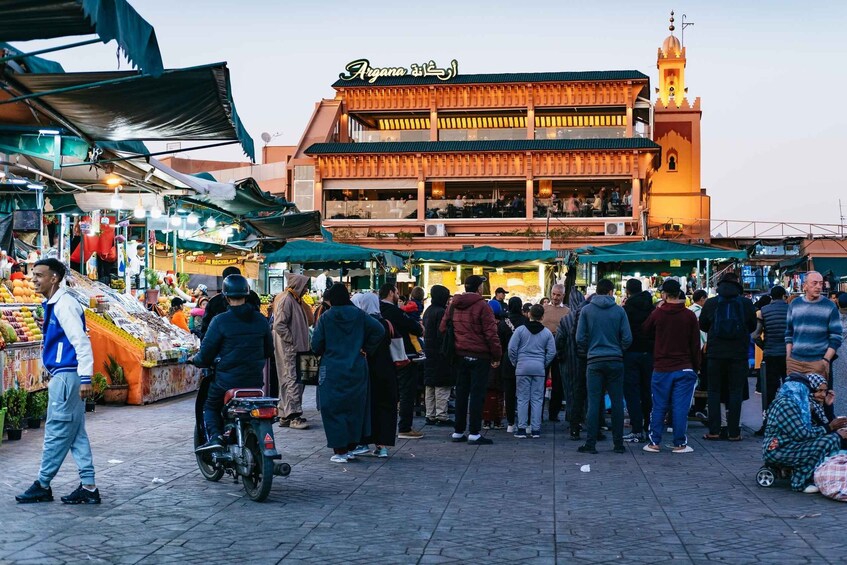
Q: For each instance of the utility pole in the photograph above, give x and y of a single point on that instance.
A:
(841, 217)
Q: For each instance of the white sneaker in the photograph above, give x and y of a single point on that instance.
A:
(510, 429)
(338, 459)
(811, 489)
(682, 449)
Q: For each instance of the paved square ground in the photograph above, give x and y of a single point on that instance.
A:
(432, 501)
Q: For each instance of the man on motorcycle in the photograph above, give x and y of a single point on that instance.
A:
(236, 344)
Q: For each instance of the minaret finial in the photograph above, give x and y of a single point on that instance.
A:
(671, 27)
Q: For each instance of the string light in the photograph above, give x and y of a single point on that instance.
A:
(155, 212)
(117, 201)
(139, 213)
(211, 223)
(175, 221)
(192, 218)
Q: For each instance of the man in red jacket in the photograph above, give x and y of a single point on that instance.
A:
(676, 360)
(477, 350)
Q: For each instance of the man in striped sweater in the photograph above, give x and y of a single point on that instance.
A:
(813, 330)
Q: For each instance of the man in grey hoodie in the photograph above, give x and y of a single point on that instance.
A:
(603, 333)
(531, 350)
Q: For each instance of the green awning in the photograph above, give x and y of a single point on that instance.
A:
(193, 104)
(836, 265)
(249, 199)
(287, 226)
(303, 251)
(32, 64)
(24, 20)
(483, 255)
(655, 250)
(44, 146)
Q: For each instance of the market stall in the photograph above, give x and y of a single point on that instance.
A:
(153, 352)
(20, 335)
(525, 273)
(651, 261)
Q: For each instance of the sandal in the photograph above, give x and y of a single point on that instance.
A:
(712, 437)
(735, 438)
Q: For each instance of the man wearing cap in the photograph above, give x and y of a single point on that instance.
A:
(771, 327)
(813, 330)
(553, 314)
(477, 348)
(498, 303)
(676, 359)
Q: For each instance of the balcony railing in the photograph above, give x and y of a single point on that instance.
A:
(372, 136)
(372, 210)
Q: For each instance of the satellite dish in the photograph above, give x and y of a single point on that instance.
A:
(266, 137)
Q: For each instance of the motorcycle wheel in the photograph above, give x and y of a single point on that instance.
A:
(258, 482)
(204, 461)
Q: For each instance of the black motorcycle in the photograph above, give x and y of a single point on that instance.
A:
(249, 450)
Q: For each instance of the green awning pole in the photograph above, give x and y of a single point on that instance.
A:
(708, 275)
(698, 276)
(49, 50)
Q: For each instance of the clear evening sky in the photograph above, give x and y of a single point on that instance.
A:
(772, 76)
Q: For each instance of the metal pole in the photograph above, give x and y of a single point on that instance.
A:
(63, 221)
(40, 200)
(708, 275)
(175, 252)
(698, 276)
(49, 50)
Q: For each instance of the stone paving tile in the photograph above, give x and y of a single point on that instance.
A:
(432, 501)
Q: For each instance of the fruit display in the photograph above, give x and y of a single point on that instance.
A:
(23, 323)
(19, 292)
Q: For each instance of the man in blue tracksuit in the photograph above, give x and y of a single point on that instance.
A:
(67, 357)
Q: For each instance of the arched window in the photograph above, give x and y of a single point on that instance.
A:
(673, 161)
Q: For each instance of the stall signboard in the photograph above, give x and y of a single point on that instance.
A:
(361, 69)
(22, 367)
(676, 263)
(214, 261)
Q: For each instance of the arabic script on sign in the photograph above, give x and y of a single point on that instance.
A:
(361, 69)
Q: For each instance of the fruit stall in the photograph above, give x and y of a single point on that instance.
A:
(21, 316)
(153, 352)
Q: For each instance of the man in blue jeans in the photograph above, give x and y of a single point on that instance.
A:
(676, 362)
(478, 350)
(68, 358)
(603, 333)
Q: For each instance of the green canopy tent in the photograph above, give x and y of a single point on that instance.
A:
(483, 255)
(182, 104)
(654, 250)
(303, 251)
(25, 20)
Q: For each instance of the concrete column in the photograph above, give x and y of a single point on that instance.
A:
(530, 197)
(530, 115)
(344, 127)
(629, 119)
(433, 116)
(421, 200)
(636, 198)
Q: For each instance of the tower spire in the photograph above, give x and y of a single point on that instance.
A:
(671, 27)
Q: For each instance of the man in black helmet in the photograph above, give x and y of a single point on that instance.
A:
(237, 344)
(218, 305)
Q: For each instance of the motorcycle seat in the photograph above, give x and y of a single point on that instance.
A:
(243, 393)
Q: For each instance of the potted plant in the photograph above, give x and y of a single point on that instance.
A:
(151, 296)
(15, 401)
(118, 389)
(98, 386)
(36, 409)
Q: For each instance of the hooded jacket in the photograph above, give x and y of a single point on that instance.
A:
(603, 330)
(677, 338)
(438, 371)
(475, 327)
(506, 329)
(638, 308)
(237, 344)
(66, 346)
(218, 305)
(532, 349)
(736, 348)
(290, 322)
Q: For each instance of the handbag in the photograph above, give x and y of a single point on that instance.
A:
(307, 366)
(397, 348)
(448, 343)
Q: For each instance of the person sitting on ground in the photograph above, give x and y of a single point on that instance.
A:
(791, 436)
(177, 314)
(531, 351)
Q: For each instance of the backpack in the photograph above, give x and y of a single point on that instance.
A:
(729, 319)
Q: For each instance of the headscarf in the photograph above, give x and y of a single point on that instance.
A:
(338, 295)
(800, 390)
(367, 302)
(439, 295)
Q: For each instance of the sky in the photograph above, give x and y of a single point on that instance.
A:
(771, 75)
